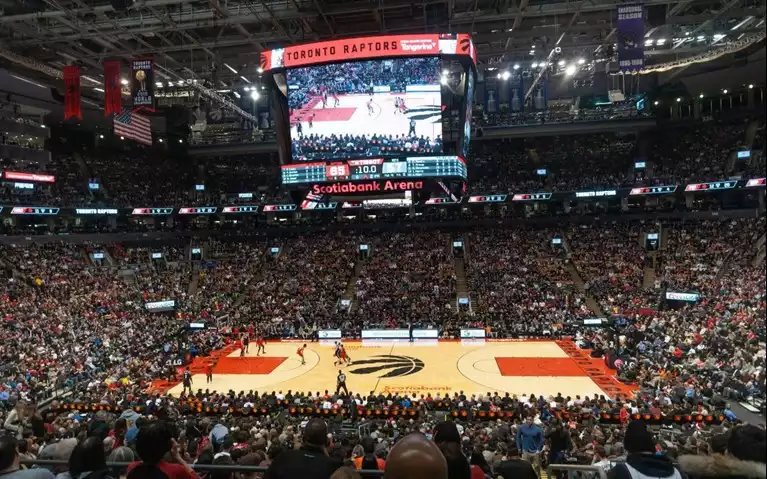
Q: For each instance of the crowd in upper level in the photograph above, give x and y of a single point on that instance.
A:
(133, 176)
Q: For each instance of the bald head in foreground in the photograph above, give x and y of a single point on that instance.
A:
(415, 457)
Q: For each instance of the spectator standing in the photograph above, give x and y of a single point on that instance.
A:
(530, 440)
(311, 461)
(512, 467)
(642, 460)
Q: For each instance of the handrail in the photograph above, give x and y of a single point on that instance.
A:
(571, 468)
(196, 467)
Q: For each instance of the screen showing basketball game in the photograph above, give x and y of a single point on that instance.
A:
(372, 108)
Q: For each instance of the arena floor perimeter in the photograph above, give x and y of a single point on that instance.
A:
(426, 366)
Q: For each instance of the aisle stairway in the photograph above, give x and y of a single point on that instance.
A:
(194, 280)
(461, 289)
(351, 286)
(581, 286)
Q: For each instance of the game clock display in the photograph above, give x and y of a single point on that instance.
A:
(375, 169)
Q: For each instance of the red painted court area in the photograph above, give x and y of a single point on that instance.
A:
(538, 367)
(332, 114)
(247, 365)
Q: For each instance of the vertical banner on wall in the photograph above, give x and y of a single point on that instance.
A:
(491, 97)
(72, 93)
(520, 82)
(142, 83)
(630, 37)
(515, 95)
(112, 87)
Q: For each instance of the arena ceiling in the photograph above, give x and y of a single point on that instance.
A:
(220, 41)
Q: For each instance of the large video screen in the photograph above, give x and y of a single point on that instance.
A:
(372, 108)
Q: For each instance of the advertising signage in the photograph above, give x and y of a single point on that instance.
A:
(333, 51)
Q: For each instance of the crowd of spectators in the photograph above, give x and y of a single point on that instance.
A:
(519, 283)
(70, 322)
(611, 264)
(408, 278)
(314, 146)
(359, 77)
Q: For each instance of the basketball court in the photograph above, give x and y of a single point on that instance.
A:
(352, 115)
(425, 366)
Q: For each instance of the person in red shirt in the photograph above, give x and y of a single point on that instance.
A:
(300, 353)
(209, 372)
(260, 343)
(154, 440)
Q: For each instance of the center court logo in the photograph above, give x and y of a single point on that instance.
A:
(392, 366)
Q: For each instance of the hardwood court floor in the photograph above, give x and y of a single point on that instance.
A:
(429, 366)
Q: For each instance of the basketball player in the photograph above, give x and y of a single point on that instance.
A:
(344, 357)
(187, 381)
(340, 383)
(336, 101)
(396, 105)
(324, 99)
(402, 107)
(370, 107)
(245, 344)
(300, 353)
(260, 345)
(411, 131)
(337, 354)
(299, 129)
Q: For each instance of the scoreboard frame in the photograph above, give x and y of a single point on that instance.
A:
(434, 175)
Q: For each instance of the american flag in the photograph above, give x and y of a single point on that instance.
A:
(133, 125)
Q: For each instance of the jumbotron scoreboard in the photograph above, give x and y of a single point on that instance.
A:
(365, 116)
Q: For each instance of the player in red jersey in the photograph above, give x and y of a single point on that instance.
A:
(345, 357)
(300, 353)
(260, 344)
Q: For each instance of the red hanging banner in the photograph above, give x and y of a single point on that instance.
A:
(112, 87)
(72, 93)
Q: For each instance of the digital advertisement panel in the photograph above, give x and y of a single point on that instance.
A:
(370, 108)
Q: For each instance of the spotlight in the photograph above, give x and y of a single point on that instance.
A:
(678, 99)
(506, 75)
(700, 96)
(180, 140)
(516, 66)
(570, 70)
(443, 80)
(724, 91)
(661, 41)
(124, 81)
(122, 137)
(656, 103)
(535, 65)
(254, 95)
(561, 63)
(581, 61)
(750, 86)
(160, 140)
(101, 137)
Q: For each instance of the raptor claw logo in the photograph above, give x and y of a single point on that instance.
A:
(392, 366)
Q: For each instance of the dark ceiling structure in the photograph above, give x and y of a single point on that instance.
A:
(218, 42)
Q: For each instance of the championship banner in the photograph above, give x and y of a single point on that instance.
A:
(72, 93)
(491, 97)
(142, 83)
(112, 87)
(630, 37)
(517, 93)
